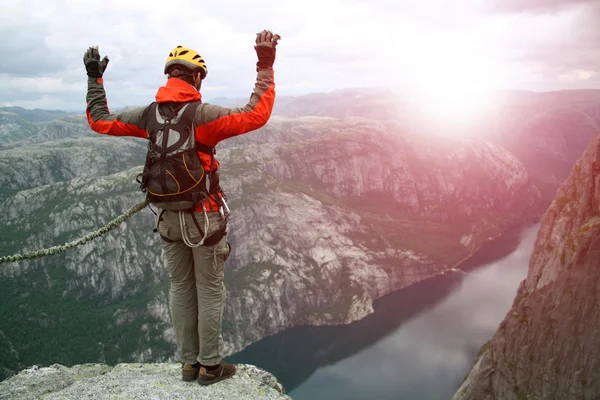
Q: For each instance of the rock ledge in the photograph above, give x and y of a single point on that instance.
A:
(135, 381)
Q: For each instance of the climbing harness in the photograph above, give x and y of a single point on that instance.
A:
(90, 236)
(184, 234)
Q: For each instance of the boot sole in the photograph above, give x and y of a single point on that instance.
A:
(215, 380)
(189, 378)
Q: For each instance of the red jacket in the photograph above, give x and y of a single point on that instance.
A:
(213, 123)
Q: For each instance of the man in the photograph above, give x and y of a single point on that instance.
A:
(194, 252)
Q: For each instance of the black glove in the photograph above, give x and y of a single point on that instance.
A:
(265, 48)
(94, 67)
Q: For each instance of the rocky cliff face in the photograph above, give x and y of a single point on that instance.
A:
(61, 160)
(547, 131)
(328, 215)
(546, 347)
(349, 219)
(136, 382)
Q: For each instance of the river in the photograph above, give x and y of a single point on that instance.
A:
(418, 344)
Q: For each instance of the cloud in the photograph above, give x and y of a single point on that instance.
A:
(42, 85)
(577, 75)
(534, 6)
(525, 44)
(25, 54)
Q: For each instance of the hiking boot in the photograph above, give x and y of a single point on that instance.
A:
(189, 372)
(209, 376)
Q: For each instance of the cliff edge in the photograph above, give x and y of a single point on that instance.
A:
(548, 346)
(135, 381)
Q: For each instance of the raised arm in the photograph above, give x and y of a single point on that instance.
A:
(128, 123)
(215, 123)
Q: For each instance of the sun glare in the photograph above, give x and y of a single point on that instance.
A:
(457, 90)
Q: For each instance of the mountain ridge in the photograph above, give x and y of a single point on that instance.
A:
(328, 215)
(312, 249)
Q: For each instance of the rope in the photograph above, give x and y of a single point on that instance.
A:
(184, 234)
(90, 236)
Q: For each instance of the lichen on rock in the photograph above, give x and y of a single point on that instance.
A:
(136, 382)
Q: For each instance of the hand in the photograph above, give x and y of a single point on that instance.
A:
(266, 38)
(94, 67)
(266, 43)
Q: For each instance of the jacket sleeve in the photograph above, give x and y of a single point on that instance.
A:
(215, 123)
(128, 123)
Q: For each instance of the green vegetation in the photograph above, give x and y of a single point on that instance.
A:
(483, 348)
(246, 277)
(522, 394)
(48, 312)
(56, 322)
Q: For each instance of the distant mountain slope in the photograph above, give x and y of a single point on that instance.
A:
(328, 215)
(35, 115)
(373, 103)
(53, 161)
(35, 126)
(377, 103)
(14, 129)
(548, 131)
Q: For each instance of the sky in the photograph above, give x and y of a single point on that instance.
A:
(427, 46)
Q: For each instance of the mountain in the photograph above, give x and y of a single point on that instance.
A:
(510, 108)
(548, 131)
(19, 126)
(14, 129)
(60, 160)
(349, 218)
(35, 115)
(328, 215)
(547, 345)
(370, 103)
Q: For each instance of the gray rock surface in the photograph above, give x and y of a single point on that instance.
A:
(135, 382)
(547, 347)
(327, 216)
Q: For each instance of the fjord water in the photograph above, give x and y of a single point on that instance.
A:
(418, 345)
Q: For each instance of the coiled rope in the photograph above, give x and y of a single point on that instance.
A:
(90, 236)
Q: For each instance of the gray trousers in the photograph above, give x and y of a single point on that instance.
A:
(197, 292)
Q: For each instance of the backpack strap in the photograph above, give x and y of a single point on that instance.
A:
(189, 114)
(152, 125)
(202, 148)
